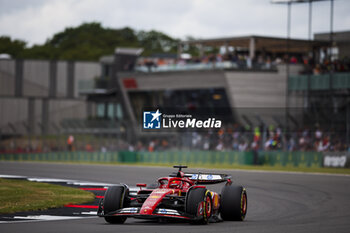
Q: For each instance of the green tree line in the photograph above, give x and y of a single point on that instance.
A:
(89, 41)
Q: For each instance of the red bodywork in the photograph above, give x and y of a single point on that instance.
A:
(149, 202)
(165, 188)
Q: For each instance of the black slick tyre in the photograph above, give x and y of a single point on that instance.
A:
(233, 203)
(198, 203)
(114, 200)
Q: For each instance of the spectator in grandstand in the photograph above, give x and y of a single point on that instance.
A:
(318, 133)
(248, 62)
(291, 144)
(243, 146)
(150, 64)
(131, 148)
(268, 63)
(206, 143)
(220, 146)
(322, 144)
(88, 147)
(103, 149)
(317, 70)
(151, 146)
(70, 142)
(293, 60)
(140, 146)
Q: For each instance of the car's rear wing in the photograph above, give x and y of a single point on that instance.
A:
(206, 178)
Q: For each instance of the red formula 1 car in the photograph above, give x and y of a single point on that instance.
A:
(181, 195)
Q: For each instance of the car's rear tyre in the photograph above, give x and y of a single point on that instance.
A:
(114, 200)
(233, 203)
(198, 203)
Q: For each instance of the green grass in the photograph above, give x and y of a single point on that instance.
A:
(21, 195)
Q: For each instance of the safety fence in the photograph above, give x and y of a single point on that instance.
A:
(319, 82)
(295, 158)
(273, 158)
(169, 157)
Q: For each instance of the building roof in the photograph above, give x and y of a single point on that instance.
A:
(343, 36)
(269, 44)
(129, 51)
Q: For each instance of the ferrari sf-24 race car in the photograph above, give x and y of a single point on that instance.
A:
(181, 195)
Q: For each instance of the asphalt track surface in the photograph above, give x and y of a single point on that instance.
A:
(277, 202)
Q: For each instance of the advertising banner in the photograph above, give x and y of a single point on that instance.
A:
(336, 159)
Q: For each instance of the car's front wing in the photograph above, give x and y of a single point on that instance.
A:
(157, 213)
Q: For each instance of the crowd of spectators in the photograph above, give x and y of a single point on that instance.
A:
(234, 60)
(326, 66)
(238, 138)
(243, 61)
(229, 138)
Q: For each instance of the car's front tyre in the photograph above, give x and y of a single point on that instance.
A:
(114, 200)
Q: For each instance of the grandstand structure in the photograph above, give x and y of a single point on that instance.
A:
(42, 97)
(37, 95)
(256, 45)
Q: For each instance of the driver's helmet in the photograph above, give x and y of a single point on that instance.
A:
(175, 184)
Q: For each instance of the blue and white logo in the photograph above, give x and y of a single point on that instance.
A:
(209, 177)
(163, 211)
(151, 120)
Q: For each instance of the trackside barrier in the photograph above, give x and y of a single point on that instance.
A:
(196, 157)
(168, 157)
(64, 157)
(336, 159)
(272, 158)
(292, 159)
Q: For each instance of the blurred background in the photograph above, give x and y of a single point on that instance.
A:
(75, 77)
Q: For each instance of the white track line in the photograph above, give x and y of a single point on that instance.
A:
(44, 218)
(71, 182)
(90, 213)
(12, 176)
(49, 180)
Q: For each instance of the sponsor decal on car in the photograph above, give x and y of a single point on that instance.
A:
(163, 211)
(205, 177)
(129, 210)
(200, 209)
(168, 212)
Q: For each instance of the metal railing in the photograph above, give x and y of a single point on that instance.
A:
(319, 82)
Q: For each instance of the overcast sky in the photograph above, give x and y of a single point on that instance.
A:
(37, 20)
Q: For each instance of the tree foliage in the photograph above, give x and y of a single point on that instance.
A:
(90, 41)
(156, 42)
(12, 47)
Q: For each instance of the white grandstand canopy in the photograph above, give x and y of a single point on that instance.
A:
(129, 51)
(295, 1)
